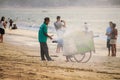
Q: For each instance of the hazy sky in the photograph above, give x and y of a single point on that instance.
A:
(59, 3)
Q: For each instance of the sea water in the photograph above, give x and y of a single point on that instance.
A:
(96, 18)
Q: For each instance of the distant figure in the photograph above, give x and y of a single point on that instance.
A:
(10, 24)
(113, 40)
(108, 32)
(59, 25)
(42, 37)
(86, 27)
(5, 24)
(2, 28)
(14, 26)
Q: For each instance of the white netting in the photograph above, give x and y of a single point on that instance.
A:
(78, 42)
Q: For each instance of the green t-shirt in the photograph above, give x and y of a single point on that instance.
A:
(41, 34)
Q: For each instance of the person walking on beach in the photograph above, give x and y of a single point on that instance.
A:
(108, 32)
(42, 37)
(2, 28)
(59, 25)
(113, 39)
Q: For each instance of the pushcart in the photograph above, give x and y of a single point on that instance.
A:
(78, 46)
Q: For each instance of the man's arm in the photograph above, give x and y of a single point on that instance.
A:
(64, 23)
(108, 34)
(48, 35)
(45, 33)
(116, 34)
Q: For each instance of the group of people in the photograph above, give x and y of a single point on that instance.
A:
(42, 36)
(112, 34)
(12, 25)
(3, 25)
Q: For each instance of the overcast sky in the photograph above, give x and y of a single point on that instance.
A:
(59, 3)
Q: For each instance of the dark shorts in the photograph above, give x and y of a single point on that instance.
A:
(2, 31)
(108, 43)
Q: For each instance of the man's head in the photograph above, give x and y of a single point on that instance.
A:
(58, 18)
(111, 23)
(46, 20)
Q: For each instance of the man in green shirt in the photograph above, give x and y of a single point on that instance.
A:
(42, 37)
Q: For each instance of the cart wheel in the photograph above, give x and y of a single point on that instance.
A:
(88, 56)
(70, 58)
(79, 57)
(83, 57)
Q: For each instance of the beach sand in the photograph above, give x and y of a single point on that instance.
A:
(20, 60)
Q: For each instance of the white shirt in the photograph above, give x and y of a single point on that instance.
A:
(58, 25)
(108, 31)
(59, 29)
(1, 25)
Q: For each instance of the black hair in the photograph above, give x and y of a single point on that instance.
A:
(46, 19)
(110, 22)
(2, 18)
(114, 25)
(58, 17)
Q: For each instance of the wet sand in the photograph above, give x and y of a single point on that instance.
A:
(20, 60)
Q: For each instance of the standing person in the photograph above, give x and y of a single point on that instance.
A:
(86, 27)
(108, 32)
(42, 36)
(2, 28)
(59, 24)
(113, 39)
(11, 23)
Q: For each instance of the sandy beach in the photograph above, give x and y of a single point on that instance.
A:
(20, 60)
